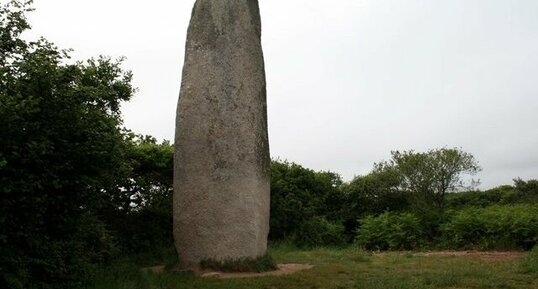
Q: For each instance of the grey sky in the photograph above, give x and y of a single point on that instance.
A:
(348, 80)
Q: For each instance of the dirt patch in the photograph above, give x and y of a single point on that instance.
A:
(283, 269)
(487, 256)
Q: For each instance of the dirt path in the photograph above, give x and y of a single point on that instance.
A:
(283, 269)
(487, 256)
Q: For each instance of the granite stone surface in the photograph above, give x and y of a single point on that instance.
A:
(222, 162)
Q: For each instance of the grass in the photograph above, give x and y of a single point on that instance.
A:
(257, 265)
(342, 269)
(530, 264)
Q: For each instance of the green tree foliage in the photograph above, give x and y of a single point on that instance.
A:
(299, 195)
(138, 207)
(145, 179)
(372, 194)
(428, 177)
(527, 191)
(61, 147)
(522, 192)
(320, 232)
(500, 195)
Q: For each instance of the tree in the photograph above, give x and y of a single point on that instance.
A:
(146, 176)
(61, 147)
(527, 191)
(298, 195)
(137, 208)
(372, 194)
(427, 177)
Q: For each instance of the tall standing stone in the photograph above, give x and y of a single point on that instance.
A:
(222, 163)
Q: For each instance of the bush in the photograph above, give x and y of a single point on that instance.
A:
(527, 191)
(494, 227)
(522, 192)
(142, 231)
(431, 221)
(138, 206)
(298, 195)
(498, 195)
(320, 232)
(371, 194)
(390, 231)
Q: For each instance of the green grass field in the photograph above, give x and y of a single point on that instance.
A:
(345, 268)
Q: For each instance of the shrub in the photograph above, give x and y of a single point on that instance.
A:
(498, 195)
(371, 194)
(390, 231)
(298, 195)
(527, 191)
(494, 227)
(320, 232)
(142, 231)
(522, 192)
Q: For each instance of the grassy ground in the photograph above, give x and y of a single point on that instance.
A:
(345, 268)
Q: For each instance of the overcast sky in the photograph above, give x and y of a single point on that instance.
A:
(348, 80)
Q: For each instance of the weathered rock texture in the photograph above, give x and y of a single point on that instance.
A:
(222, 163)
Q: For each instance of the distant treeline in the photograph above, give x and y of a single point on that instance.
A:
(316, 209)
